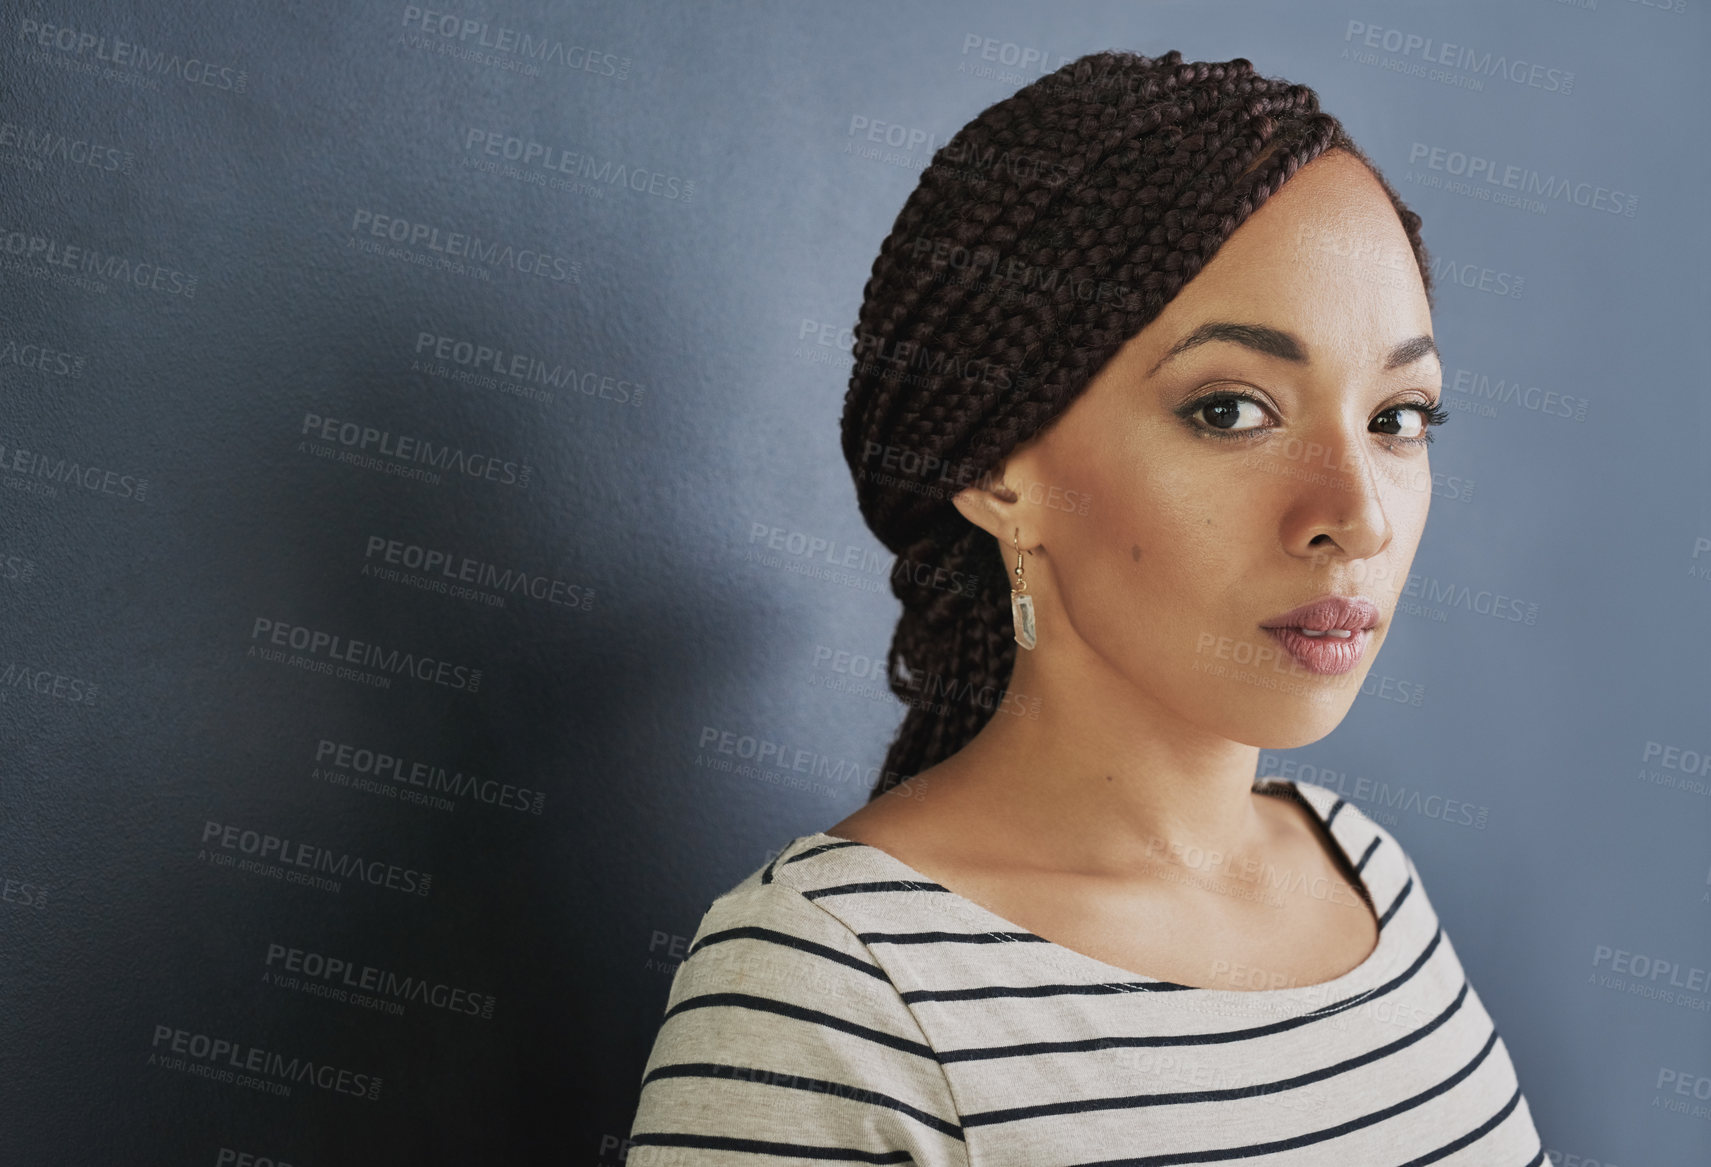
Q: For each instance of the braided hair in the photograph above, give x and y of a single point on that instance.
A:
(1045, 234)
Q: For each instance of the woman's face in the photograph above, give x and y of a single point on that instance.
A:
(1197, 490)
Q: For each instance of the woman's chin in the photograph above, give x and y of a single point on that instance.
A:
(1285, 721)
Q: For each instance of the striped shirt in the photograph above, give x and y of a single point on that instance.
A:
(838, 1005)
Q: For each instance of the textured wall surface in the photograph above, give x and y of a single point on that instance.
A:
(420, 493)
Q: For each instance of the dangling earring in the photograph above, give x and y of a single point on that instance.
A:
(1021, 603)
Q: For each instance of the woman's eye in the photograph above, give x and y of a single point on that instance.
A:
(1234, 415)
(1412, 429)
(1225, 413)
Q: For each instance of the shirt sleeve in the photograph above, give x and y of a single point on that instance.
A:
(783, 1040)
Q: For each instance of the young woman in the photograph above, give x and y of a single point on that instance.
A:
(1148, 357)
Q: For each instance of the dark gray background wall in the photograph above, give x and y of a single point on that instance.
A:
(386, 540)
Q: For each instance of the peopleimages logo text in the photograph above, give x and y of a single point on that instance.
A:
(379, 764)
(397, 229)
(406, 448)
(462, 569)
(314, 642)
(308, 857)
(220, 1053)
(467, 32)
(363, 978)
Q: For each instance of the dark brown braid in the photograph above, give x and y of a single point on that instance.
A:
(1046, 233)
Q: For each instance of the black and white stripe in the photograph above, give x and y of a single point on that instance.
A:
(838, 1006)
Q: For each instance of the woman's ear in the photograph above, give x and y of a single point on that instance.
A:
(995, 507)
(988, 505)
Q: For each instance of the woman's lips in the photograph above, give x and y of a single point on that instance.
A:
(1346, 612)
(1329, 654)
(1326, 635)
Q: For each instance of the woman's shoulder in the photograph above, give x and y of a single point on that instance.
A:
(768, 929)
(781, 1026)
(786, 885)
(1332, 809)
(1375, 853)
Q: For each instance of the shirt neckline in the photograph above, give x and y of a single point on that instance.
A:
(1336, 991)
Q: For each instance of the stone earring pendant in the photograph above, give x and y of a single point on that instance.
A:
(1021, 603)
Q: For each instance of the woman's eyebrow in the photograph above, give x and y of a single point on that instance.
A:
(1275, 342)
